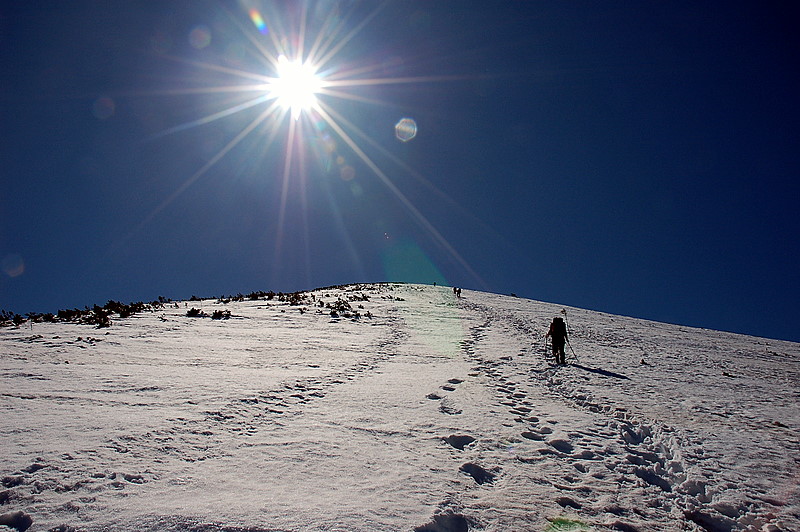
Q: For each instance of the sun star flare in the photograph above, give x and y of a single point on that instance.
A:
(296, 86)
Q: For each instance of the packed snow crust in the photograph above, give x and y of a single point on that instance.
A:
(425, 412)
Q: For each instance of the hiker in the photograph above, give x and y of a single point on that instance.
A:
(558, 332)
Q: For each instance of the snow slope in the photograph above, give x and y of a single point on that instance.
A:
(432, 413)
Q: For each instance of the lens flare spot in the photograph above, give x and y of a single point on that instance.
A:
(319, 125)
(261, 26)
(356, 190)
(347, 173)
(405, 129)
(13, 265)
(200, 37)
(329, 143)
(405, 261)
(103, 108)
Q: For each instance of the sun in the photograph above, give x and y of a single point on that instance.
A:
(296, 86)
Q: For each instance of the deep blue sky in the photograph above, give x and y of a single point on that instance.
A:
(639, 158)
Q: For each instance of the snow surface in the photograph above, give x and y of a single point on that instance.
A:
(434, 414)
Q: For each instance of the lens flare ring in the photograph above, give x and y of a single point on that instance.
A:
(405, 129)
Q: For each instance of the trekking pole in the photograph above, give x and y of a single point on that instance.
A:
(573, 351)
(545, 347)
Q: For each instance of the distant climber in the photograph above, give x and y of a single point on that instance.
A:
(558, 332)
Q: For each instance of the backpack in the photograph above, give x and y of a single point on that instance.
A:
(559, 328)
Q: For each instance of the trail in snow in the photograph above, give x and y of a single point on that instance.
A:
(643, 431)
(433, 414)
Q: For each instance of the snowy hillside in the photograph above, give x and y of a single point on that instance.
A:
(426, 412)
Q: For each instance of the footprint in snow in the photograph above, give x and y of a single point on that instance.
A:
(585, 455)
(535, 436)
(459, 441)
(34, 467)
(16, 520)
(643, 458)
(447, 522)
(653, 479)
(133, 479)
(447, 407)
(561, 445)
(622, 527)
(565, 502)
(479, 474)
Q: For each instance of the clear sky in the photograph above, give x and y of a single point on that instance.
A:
(638, 158)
